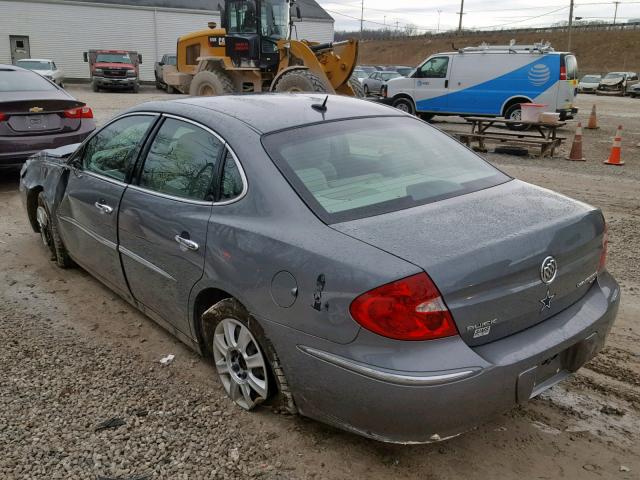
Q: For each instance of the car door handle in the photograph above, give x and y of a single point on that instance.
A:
(186, 244)
(104, 208)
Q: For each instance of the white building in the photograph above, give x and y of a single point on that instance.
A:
(63, 29)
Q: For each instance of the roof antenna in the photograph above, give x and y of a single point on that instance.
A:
(321, 108)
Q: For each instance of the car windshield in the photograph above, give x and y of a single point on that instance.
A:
(21, 81)
(360, 74)
(591, 79)
(614, 75)
(357, 168)
(34, 64)
(113, 58)
(389, 75)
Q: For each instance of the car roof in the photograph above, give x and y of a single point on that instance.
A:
(35, 60)
(266, 113)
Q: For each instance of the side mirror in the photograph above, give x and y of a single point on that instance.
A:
(161, 63)
(140, 58)
(85, 56)
(298, 13)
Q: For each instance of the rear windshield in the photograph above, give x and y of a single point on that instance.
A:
(34, 64)
(113, 58)
(571, 65)
(358, 168)
(22, 81)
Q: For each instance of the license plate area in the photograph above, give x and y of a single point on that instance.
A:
(34, 123)
(535, 380)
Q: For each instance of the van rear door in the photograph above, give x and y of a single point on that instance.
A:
(568, 84)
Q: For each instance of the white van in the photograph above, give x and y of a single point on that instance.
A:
(488, 81)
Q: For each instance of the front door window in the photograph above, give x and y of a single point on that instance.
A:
(434, 68)
(113, 150)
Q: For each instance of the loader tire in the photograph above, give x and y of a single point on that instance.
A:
(211, 83)
(298, 81)
(356, 86)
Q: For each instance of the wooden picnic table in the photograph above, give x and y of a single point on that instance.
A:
(542, 135)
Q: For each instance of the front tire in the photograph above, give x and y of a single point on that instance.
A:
(299, 81)
(50, 234)
(211, 83)
(404, 105)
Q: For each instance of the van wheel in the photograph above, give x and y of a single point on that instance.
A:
(404, 105)
(514, 112)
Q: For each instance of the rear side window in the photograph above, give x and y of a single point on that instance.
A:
(193, 52)
(362, 167)
(114, 149)
(22, 81)
(231, 185)
(182, 161)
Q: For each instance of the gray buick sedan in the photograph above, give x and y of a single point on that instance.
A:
(333, 257)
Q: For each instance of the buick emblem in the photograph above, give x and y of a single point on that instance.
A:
(548, 270)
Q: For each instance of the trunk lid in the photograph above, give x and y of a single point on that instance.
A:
(43, 114)
(485, 251)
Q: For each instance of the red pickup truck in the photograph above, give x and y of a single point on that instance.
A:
(114, 69)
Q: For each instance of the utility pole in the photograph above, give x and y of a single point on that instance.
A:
(570, 24)
(615, 15)
(361, 20)
(439, 12)
(461, 12)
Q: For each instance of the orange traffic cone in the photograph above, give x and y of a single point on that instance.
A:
(614, 157)
(576, 147)
(593, 119)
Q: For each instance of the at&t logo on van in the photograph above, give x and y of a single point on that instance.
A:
(539, 74)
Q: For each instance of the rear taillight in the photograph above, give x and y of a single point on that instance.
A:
(563, 73)
(605, 247)
(3, 117)
(407, 309)
(79, 112)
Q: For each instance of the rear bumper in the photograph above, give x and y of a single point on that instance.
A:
(124, 83)
(416, 392)
(567, 113)
(15, 150)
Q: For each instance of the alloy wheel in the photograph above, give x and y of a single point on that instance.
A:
(240, 363)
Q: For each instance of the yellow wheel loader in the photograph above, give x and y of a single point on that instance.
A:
(254, 52)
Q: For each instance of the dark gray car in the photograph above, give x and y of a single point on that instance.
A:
(336, 256)
(36, 114)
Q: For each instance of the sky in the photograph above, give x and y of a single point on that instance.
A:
(484, 14)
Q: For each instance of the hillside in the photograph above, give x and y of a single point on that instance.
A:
(597, 51)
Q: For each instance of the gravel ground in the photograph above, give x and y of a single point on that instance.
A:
(76, 356)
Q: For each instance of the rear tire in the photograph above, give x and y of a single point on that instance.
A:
(404, 105)
(158, 84)
(366, 91)
(299, 81)
(170, 89)
(94, 86)
(514, 112)
(136, 87)
(232, 314)
(356, 86)
(211, 83)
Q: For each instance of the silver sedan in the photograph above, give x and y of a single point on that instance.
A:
(373, 83)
